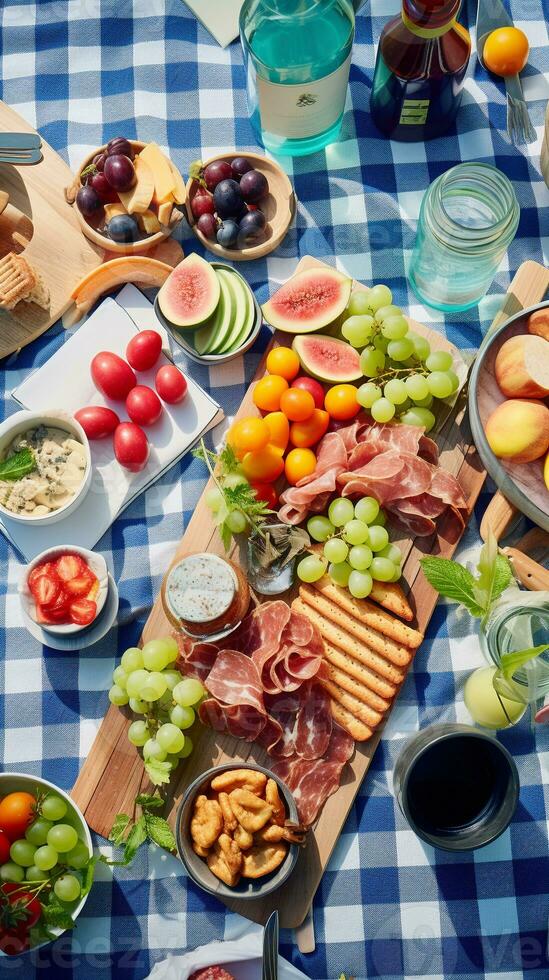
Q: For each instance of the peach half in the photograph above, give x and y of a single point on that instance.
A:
(518, 430)
(522, 367)
(538, 323)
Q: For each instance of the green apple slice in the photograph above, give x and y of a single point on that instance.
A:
(243, 324)
(218, 326)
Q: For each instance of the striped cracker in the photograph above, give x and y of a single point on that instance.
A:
(366, 612)
(391, 596)
(357, 729)
(353, 668)
(357, 688)
(357, 708)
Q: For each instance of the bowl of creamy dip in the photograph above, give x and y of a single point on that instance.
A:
(45, 466)
(204, 595)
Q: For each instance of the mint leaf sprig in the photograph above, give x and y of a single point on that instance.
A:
(18, 465)
(149, 826)
(477, 593)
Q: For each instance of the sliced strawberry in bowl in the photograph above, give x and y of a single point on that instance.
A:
(83, 611)
(58, 611)
(82, 585)
(70, 566)
(45, 568)
(46, 589)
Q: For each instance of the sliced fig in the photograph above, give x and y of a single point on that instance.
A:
(309, 301)
(327, 359)
(191, 293)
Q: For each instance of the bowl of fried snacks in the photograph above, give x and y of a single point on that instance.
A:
(237, 831)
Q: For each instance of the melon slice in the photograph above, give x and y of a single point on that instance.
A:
(214, 331)
(243, 322)
(309, 301)
(149, 222)
(111, 210)
(179, 192)
(139, 197)
(164, 182)
(191, 293)
(127, 268)
(165, 212)
(327, 358)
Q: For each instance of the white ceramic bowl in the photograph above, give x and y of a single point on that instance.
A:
(98, 566)
(13, 782)
(21, 422)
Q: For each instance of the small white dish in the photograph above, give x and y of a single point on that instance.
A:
(95, 562)
(56, 418)
(88, 635)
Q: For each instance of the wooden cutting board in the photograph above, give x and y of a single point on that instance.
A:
(38, 213)
(113, 773)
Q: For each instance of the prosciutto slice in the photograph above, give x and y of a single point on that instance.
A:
(313, 782)
(312, 492)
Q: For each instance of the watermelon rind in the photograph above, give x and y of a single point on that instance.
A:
(309, 301)
(327, 359)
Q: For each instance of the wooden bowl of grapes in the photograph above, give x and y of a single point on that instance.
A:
(239, 205)
(103, 198)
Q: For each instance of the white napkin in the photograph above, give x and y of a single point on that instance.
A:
(220, 17)
(240, 957)
(64, 382)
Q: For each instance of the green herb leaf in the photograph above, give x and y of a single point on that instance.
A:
(136, 837)
(119, 827)
(158, 772)
(503, 576)
(510, 662)
(56, 915)
(453, 581)
(196, 170)
(226, 536)
(89, 874)
(18, 465)
(148, 802)
(159, 831)
(495, 574)
(228, 460)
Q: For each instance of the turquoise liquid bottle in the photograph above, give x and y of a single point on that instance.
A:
(297, 56)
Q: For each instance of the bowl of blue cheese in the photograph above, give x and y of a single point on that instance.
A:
(205, 596)
(45, 466)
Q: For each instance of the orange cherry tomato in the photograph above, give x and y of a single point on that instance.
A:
(250, 434)
(308, 433)
(506, 51)
(265, 465)
(268, 392)
(340, 402)
(279, 427)
(297, 404)
(284, 362)
(299, 463)
(16, 813)
(267, 493)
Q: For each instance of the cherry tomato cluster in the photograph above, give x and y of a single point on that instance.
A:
(115, 378)
(64, 590)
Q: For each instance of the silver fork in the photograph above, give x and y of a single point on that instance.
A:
(270, 948)
(20, 149)
(491, 14)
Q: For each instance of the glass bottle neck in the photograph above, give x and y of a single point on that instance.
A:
(429, 18)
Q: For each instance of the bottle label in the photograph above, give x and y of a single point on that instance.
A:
(303, 110)
(414, 112)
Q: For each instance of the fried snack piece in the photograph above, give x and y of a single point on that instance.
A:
(248, 779)
(201, 851)
(225, 861)
(250, 810)
(262, 859)
(243, 838)
(207, 822)
(230, 823)
(273, 833)
(273, 798)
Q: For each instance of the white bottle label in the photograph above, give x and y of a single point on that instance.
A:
(298, 111)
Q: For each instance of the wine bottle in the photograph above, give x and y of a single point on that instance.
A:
(297, 55)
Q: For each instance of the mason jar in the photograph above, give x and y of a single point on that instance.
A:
(469, 216)
(519, 621)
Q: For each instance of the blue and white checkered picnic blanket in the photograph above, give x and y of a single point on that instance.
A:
(81, 72)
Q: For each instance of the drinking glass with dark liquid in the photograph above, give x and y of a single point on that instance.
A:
(421, 62)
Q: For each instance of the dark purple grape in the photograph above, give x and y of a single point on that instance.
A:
(240, 166)
(99, 161)
(227, 233)
(123, 228)
(253, 186)
(88, 201)
(215, 172)
(207, 225)
(119, 171)
(228, 199)
(120, 145)
(101, 186)
(251, 228)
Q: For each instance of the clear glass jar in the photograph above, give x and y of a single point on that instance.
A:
(268, 575)
(469, 216)
(519, 621)
(297, 56)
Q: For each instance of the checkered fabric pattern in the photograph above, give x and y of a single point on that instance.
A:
(82, 72)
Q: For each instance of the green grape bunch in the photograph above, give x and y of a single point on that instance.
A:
(404, 374)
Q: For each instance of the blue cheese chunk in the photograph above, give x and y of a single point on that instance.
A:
(201, 588)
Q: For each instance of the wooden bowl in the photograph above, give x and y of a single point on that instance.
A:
(278, 207)
(89, 226)
(521, 483)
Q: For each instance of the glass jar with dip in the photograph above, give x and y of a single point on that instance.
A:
(205, 596)
(519, 621)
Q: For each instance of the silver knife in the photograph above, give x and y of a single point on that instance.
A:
(270, 948)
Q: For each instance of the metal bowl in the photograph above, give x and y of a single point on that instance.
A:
(196, 866)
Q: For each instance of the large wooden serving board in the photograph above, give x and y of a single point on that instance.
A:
(113, 773)
(38, 213)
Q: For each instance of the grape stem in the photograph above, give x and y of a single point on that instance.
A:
(394, 372)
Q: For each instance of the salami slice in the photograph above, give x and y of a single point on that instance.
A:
(313, 782)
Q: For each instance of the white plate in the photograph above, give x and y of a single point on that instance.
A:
(85, 637)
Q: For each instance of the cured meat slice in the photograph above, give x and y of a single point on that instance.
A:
(314, 723)
(298, 501)
(313, 782)
(240, 720)
(199, 660)
(234, 680)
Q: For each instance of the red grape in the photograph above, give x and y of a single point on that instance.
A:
(239, 167)
(253, 186)
(119, 172)
(120, 145)
(101, 186)
(207, 225)
(202, 203)
(99, 161)
(88, 201)
(216, 171)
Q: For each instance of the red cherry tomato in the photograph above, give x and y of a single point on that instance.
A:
(131, 446)
(83, 611)
(267, 493)
(14, 942)
(313, 387)
(144, 350)
(27, 904)
(170, 384)
(143, 405)
(5, 845)
(112, 375)
(97, 421)
(16, 813)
